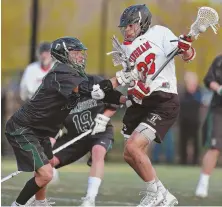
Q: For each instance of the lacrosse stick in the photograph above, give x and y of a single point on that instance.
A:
(54, 152)
(206, 17)
(61, 133)
(72, 141)
(119, 55)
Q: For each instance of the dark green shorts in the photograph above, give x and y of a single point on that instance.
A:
(31, 151)
(212, 129)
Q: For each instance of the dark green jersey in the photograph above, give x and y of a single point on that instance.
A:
(81, 117)
(52, 102)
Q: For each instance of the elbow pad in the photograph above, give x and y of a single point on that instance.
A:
(85, 88)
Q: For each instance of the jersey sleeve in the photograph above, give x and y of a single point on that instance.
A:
(168, 35)
(64, 79)
(26, 81)
(214, 69)
(66, 83)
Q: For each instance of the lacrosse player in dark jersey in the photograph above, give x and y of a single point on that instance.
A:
(85, 115)
(213, 123)
(29, 129)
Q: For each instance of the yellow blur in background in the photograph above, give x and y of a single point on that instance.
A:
(83, 19)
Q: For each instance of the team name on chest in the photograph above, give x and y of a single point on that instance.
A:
(139, 51)
(81, 106)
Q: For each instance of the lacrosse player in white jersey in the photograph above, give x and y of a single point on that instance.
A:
(34, 72)
(154, 106)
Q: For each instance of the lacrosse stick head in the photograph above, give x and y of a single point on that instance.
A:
(206, 17)
(118, 54)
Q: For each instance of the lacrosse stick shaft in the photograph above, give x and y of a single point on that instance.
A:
(54, 152)
(172, 55)
(10, 176)
(72, 141)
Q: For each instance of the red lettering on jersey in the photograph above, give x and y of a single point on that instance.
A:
(136, 53)
(139, 51)
(147, 45)
(132, 58)
(143, 49)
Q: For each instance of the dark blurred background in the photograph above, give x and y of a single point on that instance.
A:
(28, 22)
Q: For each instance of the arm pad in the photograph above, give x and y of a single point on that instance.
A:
(112, 97)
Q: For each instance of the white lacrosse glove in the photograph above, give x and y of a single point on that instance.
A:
(101, 122)
(97, 93)
(125, 78)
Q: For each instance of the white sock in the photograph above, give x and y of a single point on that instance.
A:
(204, 178)
(161, 187)
(151, 186)
(93, 187)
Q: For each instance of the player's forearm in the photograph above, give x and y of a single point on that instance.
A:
(114, 82)
(189, 54)
(109, 113)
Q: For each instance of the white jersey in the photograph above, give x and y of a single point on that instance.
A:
(149, 51)
(31, 80)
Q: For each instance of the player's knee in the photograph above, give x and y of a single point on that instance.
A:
(45, 174)
(126, 156)
(131, 149)
(98, 153)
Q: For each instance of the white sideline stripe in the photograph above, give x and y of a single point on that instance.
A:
(77, 200)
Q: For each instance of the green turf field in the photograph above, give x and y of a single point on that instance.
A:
(121, 186)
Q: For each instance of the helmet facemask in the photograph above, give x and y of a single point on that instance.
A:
(77, 59)
(131, 32)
